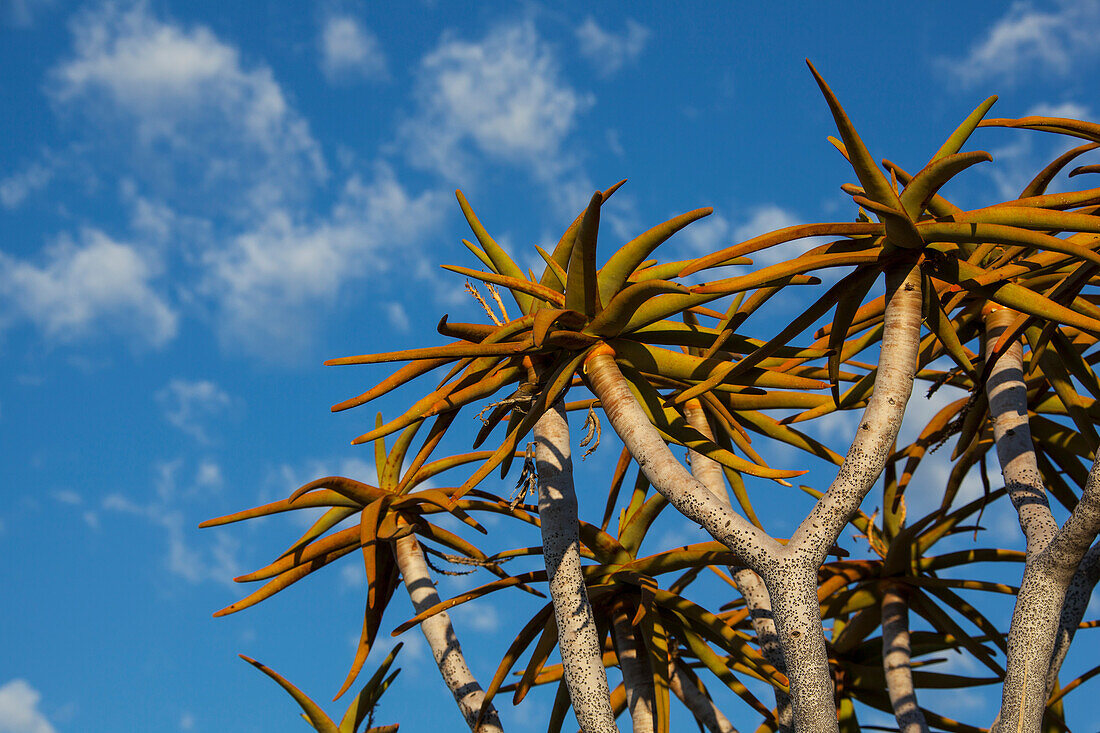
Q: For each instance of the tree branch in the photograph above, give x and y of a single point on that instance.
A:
(1053, 555)
(881, 421)
(896, 660)
(581, 655)
(700, 704)
(637, 677)
(750, 585)
(441, 637)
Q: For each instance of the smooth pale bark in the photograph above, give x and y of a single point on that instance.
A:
(637, 677)
(897, 660)
(441, 637)
(685, 492)
(750, 585)
(1053, 555)
(581, 655)
(701, 706)
(790, 571)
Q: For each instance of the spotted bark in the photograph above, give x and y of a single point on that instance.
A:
(750, 585)
(441, 637)
(1053, 555)
(789, 571)
(578, 640)
(896, 660)
(637, 676)
(701, 706)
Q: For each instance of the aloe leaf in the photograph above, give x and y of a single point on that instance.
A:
(613, 275)
(313, 712)
(848, 300)
(1042, 179)
(323, 551)
(962, 133)
(368, 697)
(622, 307)
(523, 640)
(382, 584)
(318, 499)
(781, 236)
(559, 380)
(517, 285)
(545, 645)
(581, 288)
(502, 263)
(452, 400)
(899, 227)
(402, 376)
(1061, 125)
(932, 177)
(479, 253)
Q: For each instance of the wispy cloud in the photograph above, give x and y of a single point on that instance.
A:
(19, 711)
(608, 52)
(199, 119)
(502, 98)
(15, 189)
(21, 13)
(1029, 42)
(270, 279)
(717, 232)
(350, 51)
(216, 558)
(189, 404)
(83, 288)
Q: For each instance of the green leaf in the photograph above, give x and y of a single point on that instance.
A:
(581, 288)
(502, 263)
(619, 267)
(313, 713)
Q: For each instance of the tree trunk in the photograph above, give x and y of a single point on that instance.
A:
(896, 660)
(578, 641)
(441, 637)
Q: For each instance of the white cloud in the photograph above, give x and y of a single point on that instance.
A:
(21, 12)
(501, 98)
(187, 404)
(349, 50)
(98, 284)
(1071, 110)
(1032, 42)
(397, 316)
(187, 721)
(268, 280)
(607, 51)
(209, 475)
(191, 555)
(717, 232)
(19, 711)
(15, 189)
(68, 496)
(185, 92)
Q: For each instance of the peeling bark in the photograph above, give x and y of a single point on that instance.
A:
(582, 657)
(441, 637)
(896, 660)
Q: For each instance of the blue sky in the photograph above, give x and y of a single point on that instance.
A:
(200, 202)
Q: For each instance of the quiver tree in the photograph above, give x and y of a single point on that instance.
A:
(665, 359)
